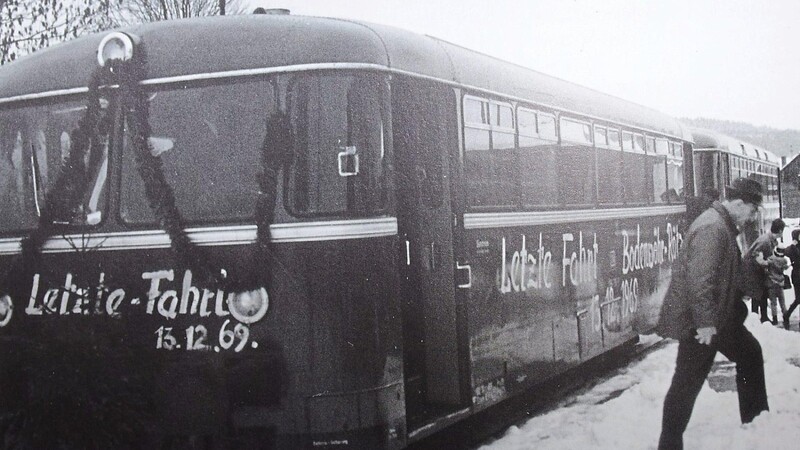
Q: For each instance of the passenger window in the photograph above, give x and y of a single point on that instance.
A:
(627, 141)
(502, 119)
(503, 116)
(651, 145)
(635, 169)
(613, 139)
(340, 147)
(576, 132)
(662, 147)
(609, 170)
(537, 162)
(527, 123)
(600, 138)
(658, 173)
(675, 175)
(547, 126)
(489, 157)
(476, 111)
(577, 169)
(638, 143)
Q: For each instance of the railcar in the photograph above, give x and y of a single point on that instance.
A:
(314, 232)
(719, 159)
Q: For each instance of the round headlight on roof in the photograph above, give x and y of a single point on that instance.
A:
(115, 45)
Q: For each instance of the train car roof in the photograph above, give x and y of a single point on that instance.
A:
(193, 46)
(708, 139)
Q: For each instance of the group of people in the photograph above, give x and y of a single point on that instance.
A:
(705, 309)
(766, 261)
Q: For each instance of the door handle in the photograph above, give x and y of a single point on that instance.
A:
(468, 268)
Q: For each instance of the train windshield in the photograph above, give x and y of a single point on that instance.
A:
(35, 143)
(211, 138)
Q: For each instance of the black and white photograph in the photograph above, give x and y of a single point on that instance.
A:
(386, 224)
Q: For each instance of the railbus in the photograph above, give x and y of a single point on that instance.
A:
(719, 159)
(293, 232)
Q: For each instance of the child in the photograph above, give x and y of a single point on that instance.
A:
(793, 253)
(777, 263)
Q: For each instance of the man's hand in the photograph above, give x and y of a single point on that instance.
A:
(704, 335)
(760, 260)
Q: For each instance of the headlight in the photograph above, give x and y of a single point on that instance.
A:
(115, 45)
(250, 306)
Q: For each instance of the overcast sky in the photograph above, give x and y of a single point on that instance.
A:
(723, 59)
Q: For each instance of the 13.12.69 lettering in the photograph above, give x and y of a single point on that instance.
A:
(196, 337)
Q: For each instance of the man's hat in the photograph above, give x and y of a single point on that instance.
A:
(746, 189)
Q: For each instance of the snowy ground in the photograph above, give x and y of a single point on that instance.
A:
(624, 411)
(602, 418)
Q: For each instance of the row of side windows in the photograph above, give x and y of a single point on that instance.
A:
(767, 175)
(518, 156)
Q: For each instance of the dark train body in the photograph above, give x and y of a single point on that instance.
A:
(449, 229)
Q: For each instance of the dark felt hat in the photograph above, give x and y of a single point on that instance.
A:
(748, 190)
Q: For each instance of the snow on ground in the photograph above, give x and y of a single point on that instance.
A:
(624, 411)
(604, 418)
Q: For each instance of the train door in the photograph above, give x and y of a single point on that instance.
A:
(423, 133)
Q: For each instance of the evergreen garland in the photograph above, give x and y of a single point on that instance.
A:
(89, 358)
(62, 200)
(158, 192)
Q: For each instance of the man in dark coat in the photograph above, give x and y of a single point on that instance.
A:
(704, 310)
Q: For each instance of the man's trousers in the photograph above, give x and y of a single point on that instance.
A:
(691, 369)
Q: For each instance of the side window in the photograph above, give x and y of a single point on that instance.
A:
(662, 146)
(476, 124)
(489, 155)
(547, 126)
(537, 158)
(638, 143)
(613, 139)
(576, 132)
(340, 144)
(600, 137)
(675, 173)
(609, 166)
(526, 121)
(577, 170)
(627, 141)
(658, 172)
(502, 118)
(635, 170)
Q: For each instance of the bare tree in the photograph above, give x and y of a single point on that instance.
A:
(28, 25)
(138, 11)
